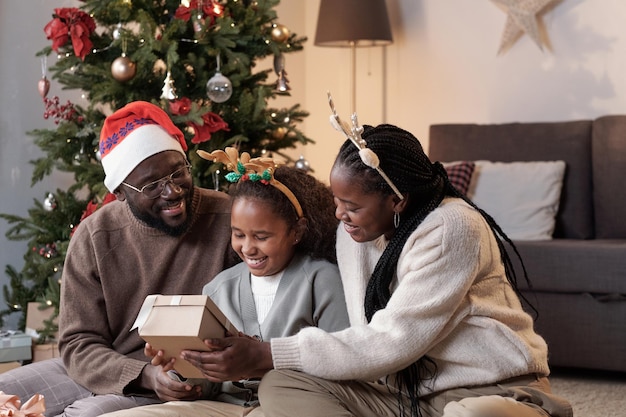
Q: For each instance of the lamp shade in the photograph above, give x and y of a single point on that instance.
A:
(348, 23)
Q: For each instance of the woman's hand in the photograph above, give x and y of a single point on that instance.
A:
(232, 359)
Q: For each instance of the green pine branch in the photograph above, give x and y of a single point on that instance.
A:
(149, 34)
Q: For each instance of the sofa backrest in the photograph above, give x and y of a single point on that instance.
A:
(609, 176)
(548, 141)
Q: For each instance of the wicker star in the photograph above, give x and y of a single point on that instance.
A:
(523, 17)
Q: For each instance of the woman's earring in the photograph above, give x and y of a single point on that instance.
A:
(396, 219)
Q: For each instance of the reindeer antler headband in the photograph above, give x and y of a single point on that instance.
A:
(244, 168)
(353, 133)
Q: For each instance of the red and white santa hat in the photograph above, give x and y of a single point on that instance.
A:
(132, 134)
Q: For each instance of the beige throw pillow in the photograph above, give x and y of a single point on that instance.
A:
(522, 197)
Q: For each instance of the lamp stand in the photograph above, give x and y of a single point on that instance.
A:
(353, 65)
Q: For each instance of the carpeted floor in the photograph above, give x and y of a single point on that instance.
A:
(591, 393)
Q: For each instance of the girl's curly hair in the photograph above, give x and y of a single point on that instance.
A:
(317, 204)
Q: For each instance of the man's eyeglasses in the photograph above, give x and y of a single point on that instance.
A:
(154, 189)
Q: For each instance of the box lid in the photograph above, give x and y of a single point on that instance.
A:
(181, 322)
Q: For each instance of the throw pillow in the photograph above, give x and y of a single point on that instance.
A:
(460, 174)
(522, 197)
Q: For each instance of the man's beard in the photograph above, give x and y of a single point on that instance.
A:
(159, 224)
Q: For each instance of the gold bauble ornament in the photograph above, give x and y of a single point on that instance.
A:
(279, 133)
(159, 67)
(279, 33)
(123, 69)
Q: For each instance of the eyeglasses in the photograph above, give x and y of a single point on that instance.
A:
(154, 189)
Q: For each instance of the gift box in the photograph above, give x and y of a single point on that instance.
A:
(15, 346)
(7, 366)
(45, 351)
(172, 323)
(10, 405)
(35, 317)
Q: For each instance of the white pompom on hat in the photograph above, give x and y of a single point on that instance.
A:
(132, 134)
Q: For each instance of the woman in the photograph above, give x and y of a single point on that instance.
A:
(437, 327)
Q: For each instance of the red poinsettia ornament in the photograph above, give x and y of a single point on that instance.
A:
(92, 206)
(71, 23)
(210, 9)
(212, 123)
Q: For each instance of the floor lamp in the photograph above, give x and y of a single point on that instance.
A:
(352, 24)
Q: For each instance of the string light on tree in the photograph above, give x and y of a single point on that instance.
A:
(216, 180)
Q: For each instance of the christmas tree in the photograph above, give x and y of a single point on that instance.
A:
(194, 58)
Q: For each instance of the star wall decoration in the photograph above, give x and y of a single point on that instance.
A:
(523, 16)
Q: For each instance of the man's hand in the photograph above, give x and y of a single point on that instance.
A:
(158, 358)
(232, 359)
(155, 377)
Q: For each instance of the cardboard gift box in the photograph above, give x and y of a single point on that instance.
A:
(45, 351)
(172, 323)
(7, 366)
(15, 346)
(35, 317)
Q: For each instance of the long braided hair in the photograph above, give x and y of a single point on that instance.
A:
(404, 161)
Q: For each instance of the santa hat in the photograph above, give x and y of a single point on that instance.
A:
(132, 134)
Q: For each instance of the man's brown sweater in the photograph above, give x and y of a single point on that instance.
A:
(113, 262)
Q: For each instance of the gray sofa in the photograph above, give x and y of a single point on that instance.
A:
(579, 277)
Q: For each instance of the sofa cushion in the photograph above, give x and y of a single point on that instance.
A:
(609, 167)
(460, 174)
(573, 265)
(522, 197)
(549, 141)
(581, 331)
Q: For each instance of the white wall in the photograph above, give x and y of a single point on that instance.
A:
(442, 68)
(21, 110)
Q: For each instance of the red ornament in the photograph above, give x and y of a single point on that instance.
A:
(210, 9)
(180, 107)
(212, 123)
(43, 86)
(71, 23)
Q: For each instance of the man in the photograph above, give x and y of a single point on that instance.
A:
(163, 235)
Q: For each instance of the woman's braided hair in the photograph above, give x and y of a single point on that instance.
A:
(316, 200)
(404, 161)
